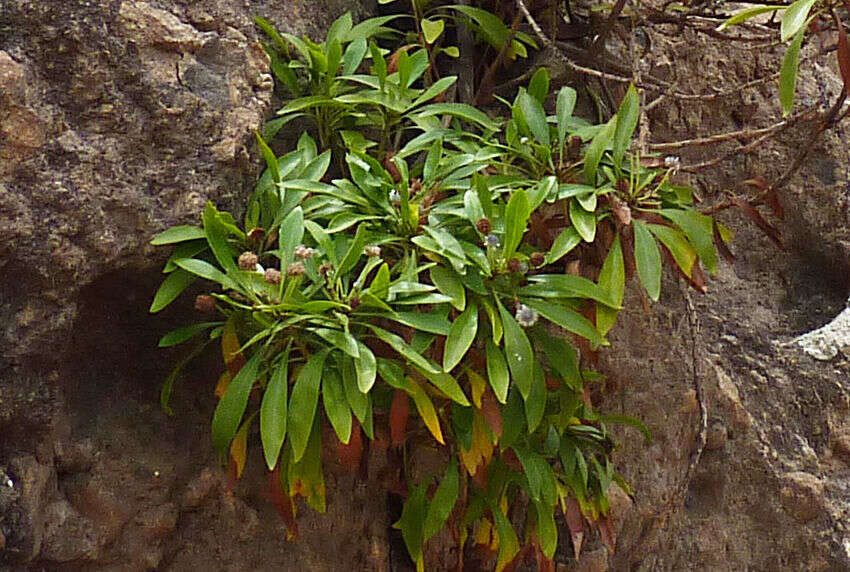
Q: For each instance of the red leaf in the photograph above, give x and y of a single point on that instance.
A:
(511, 460)
(771, 231)
(722, 247)
(491, 413)
(349, 455)
(575, 522)
(282, 502)
(399, 413)
(609, 536)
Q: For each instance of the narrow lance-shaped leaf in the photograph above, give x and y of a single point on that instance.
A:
(412, 523)
(516, 216)
(497, 371)
(518, 351)
(336, 405)
(273, 412)
(535, 117)
(443, 502)
(612, 279)
(647, 260)
(794, 18)
(460, 338)
(174, 284)
(426, 409)
(564, 110)
(302, 404)
(627, 120)
(231, 408)
(788, 73)
(177, 234)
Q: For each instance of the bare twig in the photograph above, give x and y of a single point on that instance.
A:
(722, 137)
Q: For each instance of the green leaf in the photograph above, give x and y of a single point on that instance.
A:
(564, 110)
(508, 542)
(699, 229)
(535, 117)
(612, 279)
(180, 335)
(340, 339)
(353, 56)
(546, 529)
(460, 338)
(380, 286)
(365, 368)
(563, 358)
(647, 260)
(178, 234)
(678, 245)
(231, 408)
(516, 216)
(173, 285)
(432, 160)
(563, 244)
(788, 73)
(271, 160)
(794, 19)
(518, 351)
(497, 371)
(538, 87)
(355, 250)
(583, 221)
(535, 401)
(745, 15)
(204, 270)
(273, 413)
(412, 523)
(460, 110)
(595, 150)
(291, 234)
(336, 405)
(432, 322)
(565, 286)
(432, 29)
(568, 319)
(303, 403)
(359, 401)
(443, 503)
(448, 282)
(627, 120)
(217, 238)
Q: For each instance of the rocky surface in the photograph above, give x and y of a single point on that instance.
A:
(119, 118)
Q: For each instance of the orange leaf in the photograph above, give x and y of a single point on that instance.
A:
(233, 358)
(482, 446)
(771, 231)
(223, 382)
(399, 413)
(721, 245)
(349, 455)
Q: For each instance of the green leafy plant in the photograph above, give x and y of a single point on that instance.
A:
(428, 252)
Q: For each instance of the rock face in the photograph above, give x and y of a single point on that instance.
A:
(119, 118)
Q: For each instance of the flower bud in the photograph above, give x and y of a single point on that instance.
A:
(372, 251)
(354, 302)
(303, 252)
(272, 276)
(295, 269)
(537, 259)
(255, 236)
(483, 225)
(325, 269)
(205, 303)
(514, 265)
(491, 240)
(248, 261)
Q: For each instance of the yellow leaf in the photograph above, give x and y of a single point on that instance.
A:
(426, 409)
(483, 532)
(239, 447)
(233, 358)
(482, 446)
(479, 385)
